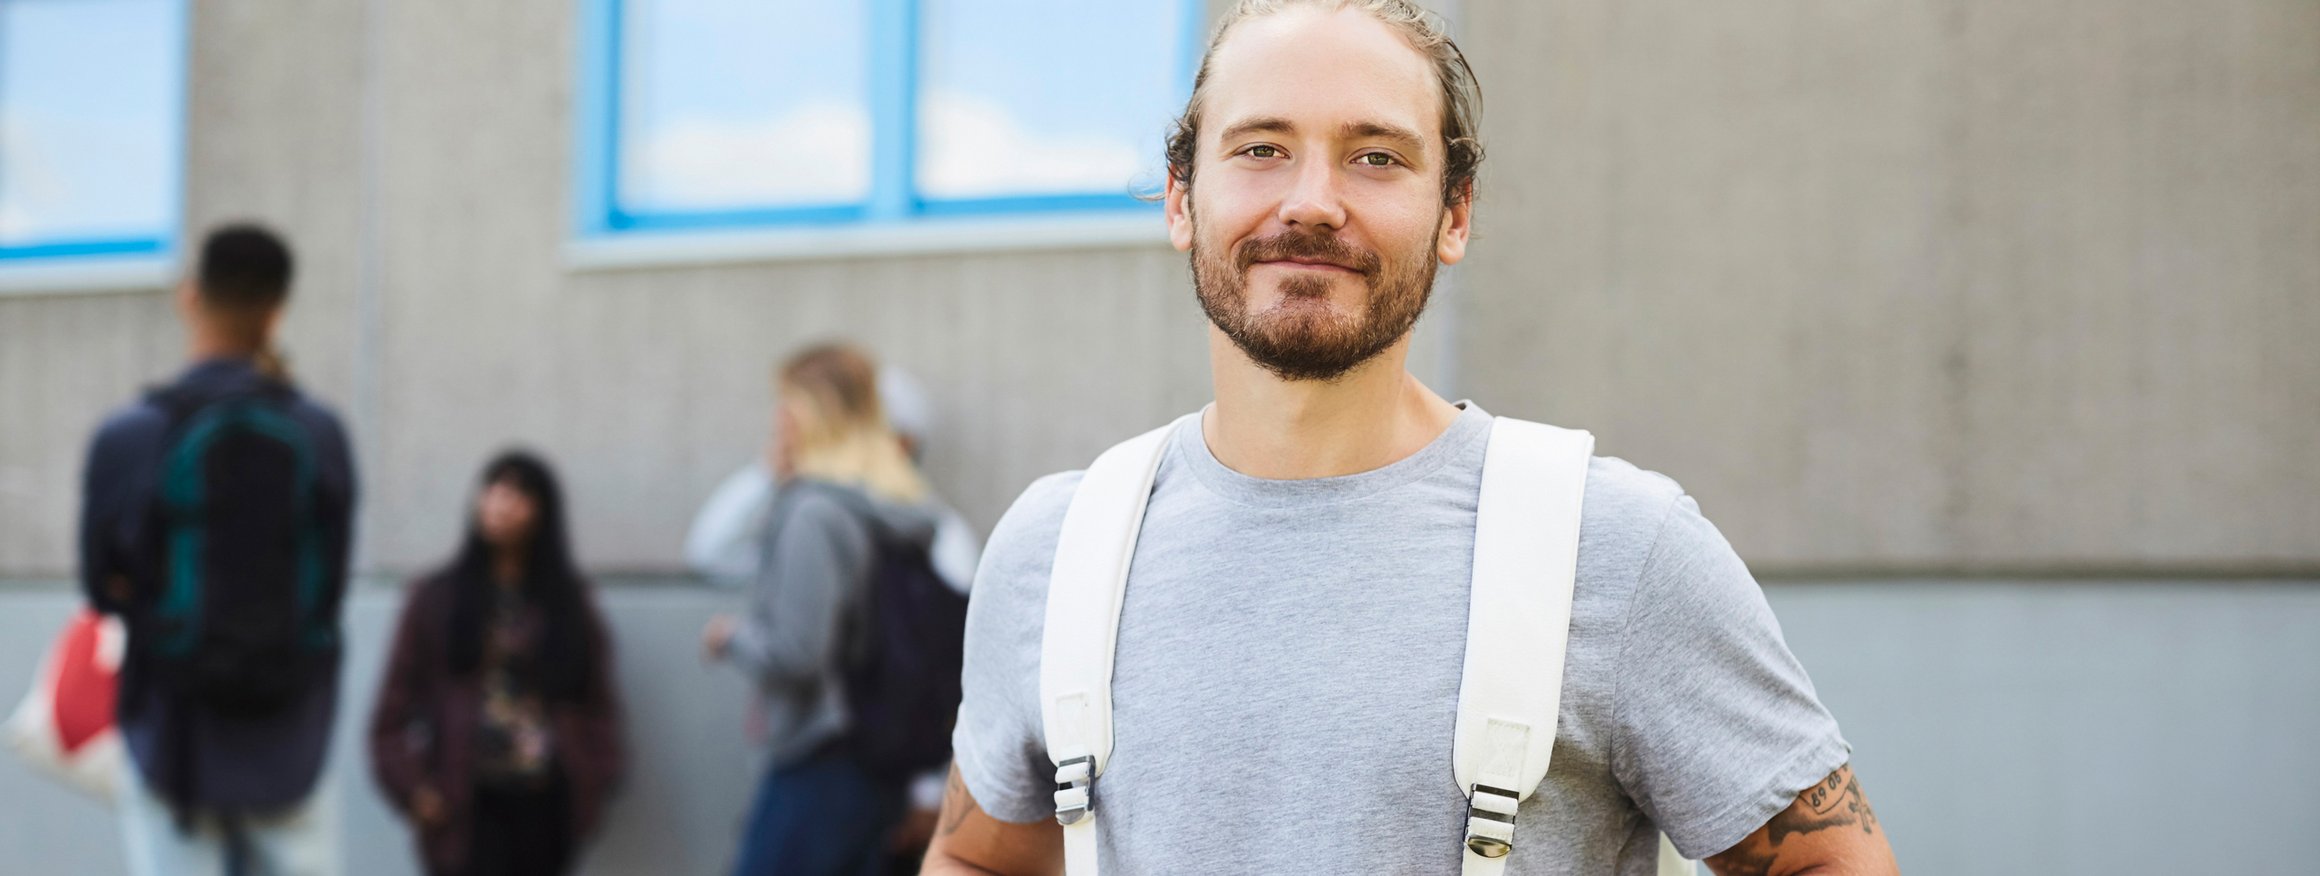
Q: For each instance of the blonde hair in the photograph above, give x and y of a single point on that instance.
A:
(831, 392)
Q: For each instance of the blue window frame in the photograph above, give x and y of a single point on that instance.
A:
(724, 114)
(91, 127)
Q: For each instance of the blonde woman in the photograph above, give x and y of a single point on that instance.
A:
(848, 498)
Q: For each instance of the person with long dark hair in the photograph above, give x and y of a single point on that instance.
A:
(497, 731)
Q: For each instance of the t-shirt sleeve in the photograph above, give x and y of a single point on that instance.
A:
(1717, 726)
(998, 744)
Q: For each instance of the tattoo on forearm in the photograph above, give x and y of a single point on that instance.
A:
(956, 802)
(1833, 803)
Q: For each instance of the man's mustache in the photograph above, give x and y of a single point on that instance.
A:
(1306, 246)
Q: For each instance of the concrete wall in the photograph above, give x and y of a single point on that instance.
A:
(1891, 286)
(1894, 287)
(272, 106)
(649, 385)
(2000, 728)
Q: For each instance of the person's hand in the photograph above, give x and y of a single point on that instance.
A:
(716, 636)
(118, 589)
(914, 833)
(426, 806)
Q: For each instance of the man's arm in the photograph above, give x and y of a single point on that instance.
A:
(969, 841)
(106, 499)
(1828, 830)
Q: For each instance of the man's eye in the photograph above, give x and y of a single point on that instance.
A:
(1376, 159)
(1263, 152)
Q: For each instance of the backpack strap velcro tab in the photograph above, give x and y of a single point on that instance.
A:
(1526, 545)
(1089, 579)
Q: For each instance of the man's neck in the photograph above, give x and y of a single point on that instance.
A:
(1266, 427)
(203, 345)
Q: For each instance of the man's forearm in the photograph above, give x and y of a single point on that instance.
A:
(939, 864)
(1829, 830)
(969, 842)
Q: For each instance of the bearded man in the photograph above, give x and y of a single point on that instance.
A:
(1287, 657)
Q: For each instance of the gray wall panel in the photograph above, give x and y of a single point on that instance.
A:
(1911, 285)
(273, 136)
(64, 362)
(2034, 727)
(649, 385)
(1891, 287)
(2000, 727)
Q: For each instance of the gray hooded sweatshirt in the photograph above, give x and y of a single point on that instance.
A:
(818, 554)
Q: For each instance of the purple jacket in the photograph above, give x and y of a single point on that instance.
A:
(422, 732)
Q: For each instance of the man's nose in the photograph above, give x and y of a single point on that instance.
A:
(1315, 199)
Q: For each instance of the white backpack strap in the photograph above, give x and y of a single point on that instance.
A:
(1518, 620)
(1518, 626)
(1084, 589)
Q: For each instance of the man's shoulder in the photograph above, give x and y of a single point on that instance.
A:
(1621, 517)
(308, 405)
(136, 422)
(317, 415)
(1620, 495)
(1033, 523)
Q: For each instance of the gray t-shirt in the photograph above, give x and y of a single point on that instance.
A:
(1288, 662)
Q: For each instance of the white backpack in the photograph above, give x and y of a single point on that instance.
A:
(1526, 547)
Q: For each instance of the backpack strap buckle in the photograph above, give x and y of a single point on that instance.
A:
(1490, 821)
(1075, 781)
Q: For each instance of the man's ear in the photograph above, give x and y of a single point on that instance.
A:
(1178, 203)
(1457, 227)
(188, 300)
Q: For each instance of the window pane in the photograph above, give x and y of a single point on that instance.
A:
(1042, 97)
(89, 120)
(737, 104)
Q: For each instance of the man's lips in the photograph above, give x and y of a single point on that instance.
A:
(1309, 265)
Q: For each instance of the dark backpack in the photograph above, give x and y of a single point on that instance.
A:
(239, 624)
(905, 642)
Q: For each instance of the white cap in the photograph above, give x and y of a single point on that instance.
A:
(908, 410)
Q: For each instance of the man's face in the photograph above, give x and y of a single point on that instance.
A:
(1315, 218)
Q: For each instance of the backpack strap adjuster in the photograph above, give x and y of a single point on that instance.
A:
(1490, 821)
(1075, 781)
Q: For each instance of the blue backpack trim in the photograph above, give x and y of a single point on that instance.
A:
(184, 493)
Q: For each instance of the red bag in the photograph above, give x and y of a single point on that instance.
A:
(64, 726)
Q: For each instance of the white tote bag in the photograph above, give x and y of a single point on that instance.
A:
(64, 725)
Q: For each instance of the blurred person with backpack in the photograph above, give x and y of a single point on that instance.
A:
(216, 522)
(497, 730)
(722, 543)
(852, 637)
(956, 550)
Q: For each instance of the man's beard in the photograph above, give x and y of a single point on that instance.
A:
(1312, 343)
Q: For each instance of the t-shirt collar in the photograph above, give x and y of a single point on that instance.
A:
(1190, 450)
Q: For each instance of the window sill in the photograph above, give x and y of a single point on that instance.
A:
(81, 276)
(638, 250)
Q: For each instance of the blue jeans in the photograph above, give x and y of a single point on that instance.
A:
(300, 841)
(823, 816)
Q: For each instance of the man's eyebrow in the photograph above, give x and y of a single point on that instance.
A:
(1398, 136)
(1257, 125)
